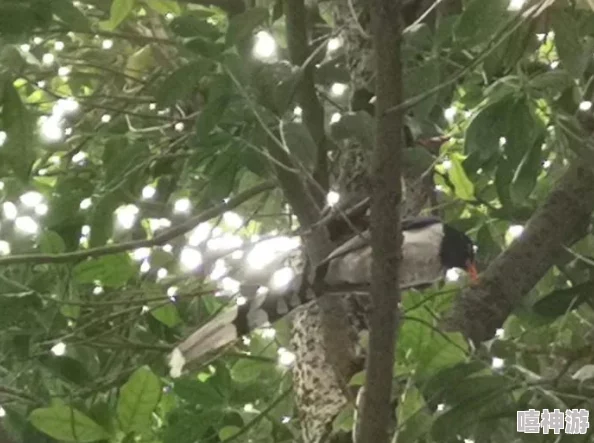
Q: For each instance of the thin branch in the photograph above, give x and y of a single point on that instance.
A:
(158, 240)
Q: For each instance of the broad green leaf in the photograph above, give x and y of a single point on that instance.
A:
(463, 186)
(124, 163)
(138, 399)
(111, 270)
(51, 243)
(66, 424)
(419, 80)
(18, 150)
(139, 62)
(228, 432)
(344, 421)
(198, 392)
(19, 17)
(480, 21)
(568, 42)
(168, 315)
(164, 6)
(191, 26)
(67, 368)
(561, 301)
(486, 129)
(71, 15)
(526, 174)
(414, 418)
(242, 25)
(247, 370)
(182, 82)
(120, 10)
(211, 115)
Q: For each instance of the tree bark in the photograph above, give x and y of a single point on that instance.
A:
(386, 233)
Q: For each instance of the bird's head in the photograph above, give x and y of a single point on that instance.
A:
(457, 251)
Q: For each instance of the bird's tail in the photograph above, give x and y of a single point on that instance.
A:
(257, 306)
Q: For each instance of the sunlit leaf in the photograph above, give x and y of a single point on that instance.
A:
(67, 424)
(111, 270)
(138, 399)
(242, 25)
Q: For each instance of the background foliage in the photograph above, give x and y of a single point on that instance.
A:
(123, 121)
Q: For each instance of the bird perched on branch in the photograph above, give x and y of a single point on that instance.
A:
(429, 248)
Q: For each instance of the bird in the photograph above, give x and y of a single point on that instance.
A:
(430, 247)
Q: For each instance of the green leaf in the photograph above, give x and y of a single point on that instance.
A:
(51, 243)
(18, 149)
(102, 219)
(572, 53)
(164, 6)
(138, 399)
(300, 144)
(463, 186)
(111, 270)
(182, 82)
(344, 421)
(526, 174)
(191, 26)
(486, 128)
(71, 15)
(198, 392)
(247, 370)
(228, 432)
(120, 9)
(211, 115)
(242, 25)
(66, 424)
(561, 301)
(168, 315)
(480, 21)
(419, 80)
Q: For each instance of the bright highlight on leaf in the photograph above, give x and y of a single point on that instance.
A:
(79, 157)
(515, 231)
(497, 363)
(4, 247)
(51, 130)
(219, 270)
(338, 89)
(85, 204)
(334, 44)
(181, 205)
(64, 71)
(515, 5)
(126, 216)
(59, 349)
(229, 286)
(199, 234)
(585, 106)
(59, 45)
(26, 225)
(335, 118)
(332, 198)
(265, 251)
(285, 357)
(10, 210)
(3, 138)
(48, 58)
(233, 220)
(450, 114)
(190, 258)
(31, 199)
(141, 254)
(106, 118)
(264, 46)
(148, 192)
(107, 44)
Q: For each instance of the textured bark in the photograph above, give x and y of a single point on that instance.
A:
(561, 220)
(386, 233)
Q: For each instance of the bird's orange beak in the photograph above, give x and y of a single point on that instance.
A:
(472, 271)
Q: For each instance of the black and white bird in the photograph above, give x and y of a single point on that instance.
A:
(429, 249)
